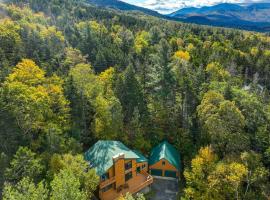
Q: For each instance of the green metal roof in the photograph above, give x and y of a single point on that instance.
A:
(141, 157)
(101, 154)
(165, 151)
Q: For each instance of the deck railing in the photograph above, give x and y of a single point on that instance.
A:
(107, 182)
(149, 180)
(131, 190)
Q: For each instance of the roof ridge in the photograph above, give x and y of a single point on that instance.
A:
(167, 151)
(102, 152)
(164, 149)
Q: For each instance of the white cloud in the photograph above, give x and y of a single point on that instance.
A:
(168, 6)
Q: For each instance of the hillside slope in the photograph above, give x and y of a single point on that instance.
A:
(116, 4)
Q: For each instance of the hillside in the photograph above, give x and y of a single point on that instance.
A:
(78, 78)
(120, 5)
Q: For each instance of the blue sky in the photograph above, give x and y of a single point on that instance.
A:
(168, 6)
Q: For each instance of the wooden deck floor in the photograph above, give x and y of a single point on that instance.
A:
(135, 185)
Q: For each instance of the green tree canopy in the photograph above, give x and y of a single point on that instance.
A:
(25, 190)
(25, 163)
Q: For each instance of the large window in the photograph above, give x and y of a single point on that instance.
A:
(128, 176)
(104, 177)
(128, 165)
(138, 169)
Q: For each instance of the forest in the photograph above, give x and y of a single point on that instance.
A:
(72, 74)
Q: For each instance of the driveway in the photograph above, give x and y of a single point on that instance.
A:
(164, 189)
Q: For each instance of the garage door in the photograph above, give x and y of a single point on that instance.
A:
(156, 172)
(170, 173)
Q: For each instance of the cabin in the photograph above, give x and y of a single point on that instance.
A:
(120, 169)
(164, 161)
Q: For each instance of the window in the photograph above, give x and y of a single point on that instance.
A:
(138, 169)
(163, 163)
(143, 166)
(108, 187)
(128, 176)
(128, 165)
(104, 177)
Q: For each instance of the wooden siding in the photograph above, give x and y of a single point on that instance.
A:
(119, 170)
(141, 164)
(110, 180)
(117, 178)
(135, 184)
(167, 166)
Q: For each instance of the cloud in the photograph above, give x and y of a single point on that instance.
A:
(168, 6)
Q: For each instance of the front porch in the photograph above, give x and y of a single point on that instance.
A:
(135, 185)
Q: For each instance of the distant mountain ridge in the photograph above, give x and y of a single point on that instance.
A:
(206, 9)
(254, 16)
(120, 5)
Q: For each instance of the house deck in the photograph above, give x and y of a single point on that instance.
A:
(134, 185)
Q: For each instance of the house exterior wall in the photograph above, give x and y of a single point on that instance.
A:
(119, 170)
(133, 169)
(117, 174)
(111, 172)
(165, 167)
(141, 164)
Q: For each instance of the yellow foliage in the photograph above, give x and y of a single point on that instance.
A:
(237, 173)
(216, 72)
(121, 198)
(216, 45)
(10, 38)
(108, 117)
(116, 28)
(230, 175)
(254, 51)
(33, 98)
(267, 39)
(27, 72)
(8, 26)
(94, 26)
(116, 39)
(190, 47)
(100, 28)
(212, 97)
(210, 179)
(25, 14)
(241, 53)
(266, 53)
(106, 80)
(67, 161)
(141, 41)
(201, 166)
(52, 32)
(183, 55)
(207, 154)
(206, 157)
(107, 75)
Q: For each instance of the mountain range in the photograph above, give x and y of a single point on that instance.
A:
(254, 17)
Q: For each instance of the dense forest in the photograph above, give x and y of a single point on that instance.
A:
(72, 74)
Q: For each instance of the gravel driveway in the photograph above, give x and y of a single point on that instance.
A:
(164, 189)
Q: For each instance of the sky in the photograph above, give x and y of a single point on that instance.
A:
(169, 6)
